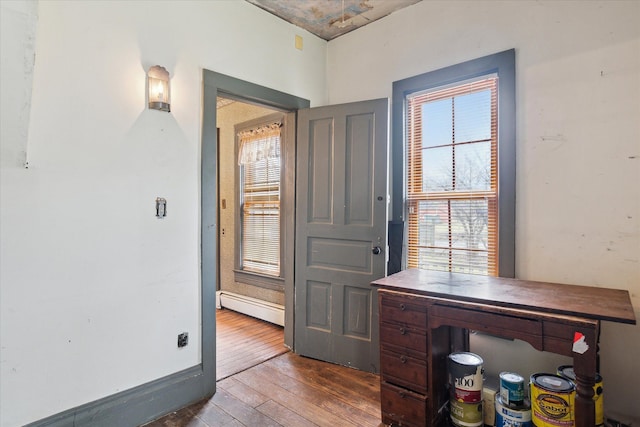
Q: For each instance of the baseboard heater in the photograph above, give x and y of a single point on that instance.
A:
(270, 312)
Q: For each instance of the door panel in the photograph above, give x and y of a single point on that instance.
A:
(320, 172)
(359, 164)
(339, 254)
(340, 217)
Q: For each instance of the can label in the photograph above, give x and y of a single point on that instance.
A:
(467, 396)
(552, 401)
(465, 377)
(599, 399)
(552, 409)
(512, 417)
(466, 414)
(511, 388)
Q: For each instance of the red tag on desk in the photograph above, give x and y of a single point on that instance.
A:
(579, 344)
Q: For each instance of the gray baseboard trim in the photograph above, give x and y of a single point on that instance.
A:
(136, 406)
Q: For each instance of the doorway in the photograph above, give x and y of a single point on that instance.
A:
(251, 233)
(215, 85)
(342, 307)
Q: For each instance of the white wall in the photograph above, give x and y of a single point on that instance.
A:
(578, 140)
(17, 48)
(95, 289)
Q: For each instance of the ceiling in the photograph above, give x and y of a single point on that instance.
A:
(329, 19)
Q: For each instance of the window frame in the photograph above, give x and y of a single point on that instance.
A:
(501, 64)
(250, 277)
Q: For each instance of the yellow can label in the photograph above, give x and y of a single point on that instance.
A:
(599, 398)
(551, 409)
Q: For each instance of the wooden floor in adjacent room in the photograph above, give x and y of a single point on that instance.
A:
(244, 341)
(285, 390)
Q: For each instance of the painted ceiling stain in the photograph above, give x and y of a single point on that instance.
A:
(329, 19)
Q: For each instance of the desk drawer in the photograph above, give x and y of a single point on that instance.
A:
(503, 325)
(402, 310)
(403, 336)
(401, 407)
(404, 370)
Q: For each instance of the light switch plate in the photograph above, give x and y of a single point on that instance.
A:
(161, 207)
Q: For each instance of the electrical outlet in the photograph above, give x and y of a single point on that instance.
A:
(183, 339)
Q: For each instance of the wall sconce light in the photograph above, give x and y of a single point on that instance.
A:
(158, 82)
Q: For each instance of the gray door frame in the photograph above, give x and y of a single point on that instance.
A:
(219, 84)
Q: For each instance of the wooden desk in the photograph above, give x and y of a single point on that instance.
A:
(424, 315)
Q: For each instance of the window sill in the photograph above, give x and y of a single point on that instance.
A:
(259, 280)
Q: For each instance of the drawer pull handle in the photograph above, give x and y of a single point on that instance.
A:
(402, 307)
(403, 331)
(403, 359)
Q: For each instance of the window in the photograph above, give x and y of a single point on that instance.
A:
(457, 139)
(451, 186)
(260, 173)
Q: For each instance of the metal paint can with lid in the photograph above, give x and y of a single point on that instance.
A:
(465, 377)
(566, 371)
(512, 415)
(466, 414)
(511, 388)
(552, 401)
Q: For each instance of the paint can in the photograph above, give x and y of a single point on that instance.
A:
(465, 377)
(466, 414)
(566, 371)
(552, 401)
(512, 415)
(512, 388)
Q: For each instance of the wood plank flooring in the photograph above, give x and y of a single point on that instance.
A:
(243, 341)
(286, 390)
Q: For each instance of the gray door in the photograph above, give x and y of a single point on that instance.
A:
(341, 243)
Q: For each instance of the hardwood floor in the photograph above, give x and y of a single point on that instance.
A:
(243, 341)
(286, 390)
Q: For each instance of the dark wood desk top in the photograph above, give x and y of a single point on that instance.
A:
(584, 301)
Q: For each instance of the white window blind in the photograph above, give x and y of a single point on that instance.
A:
(452, 194)
(259, 161)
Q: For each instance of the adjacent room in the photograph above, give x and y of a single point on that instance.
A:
(166, 162)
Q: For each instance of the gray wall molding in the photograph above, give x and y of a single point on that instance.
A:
(134, 406)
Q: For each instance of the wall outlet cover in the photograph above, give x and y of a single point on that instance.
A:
(183, 339)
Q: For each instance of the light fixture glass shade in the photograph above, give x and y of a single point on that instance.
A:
(158, 82)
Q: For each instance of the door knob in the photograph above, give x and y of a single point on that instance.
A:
(376, 250)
